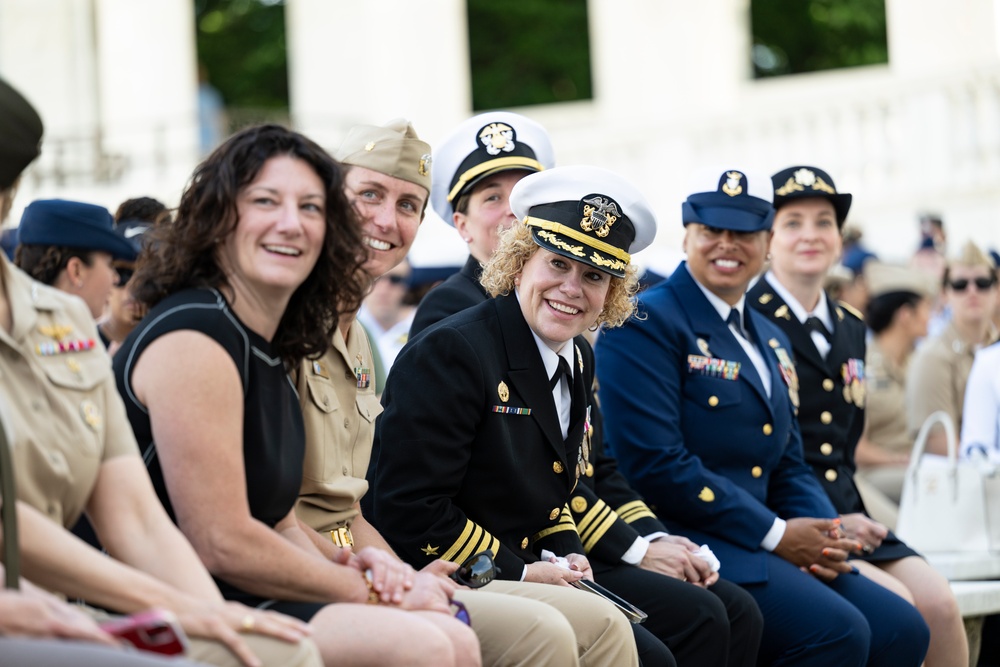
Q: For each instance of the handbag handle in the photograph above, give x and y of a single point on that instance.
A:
(939, 417)
(943, 418)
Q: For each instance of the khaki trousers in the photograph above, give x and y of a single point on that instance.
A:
(272, 652)
(521, 624)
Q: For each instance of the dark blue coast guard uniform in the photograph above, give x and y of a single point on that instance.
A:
(690, 422)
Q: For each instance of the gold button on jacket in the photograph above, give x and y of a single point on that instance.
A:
(756, 471)
(768, 429)
(825, 417)
(831, 475)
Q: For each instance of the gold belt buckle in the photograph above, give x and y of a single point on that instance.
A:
(342, 537)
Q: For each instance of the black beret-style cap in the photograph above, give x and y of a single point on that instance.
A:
(20, 134)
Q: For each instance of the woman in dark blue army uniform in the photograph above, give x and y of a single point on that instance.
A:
(699, 402)
(828, 345)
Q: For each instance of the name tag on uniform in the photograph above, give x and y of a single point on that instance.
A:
(713, 367)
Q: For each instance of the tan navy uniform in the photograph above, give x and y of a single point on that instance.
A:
(514, 627)
(67, 419)
(937, 377)
(887, 428)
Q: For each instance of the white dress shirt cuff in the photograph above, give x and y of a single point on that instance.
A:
(524, 572)
(773, 537)
(637, 551)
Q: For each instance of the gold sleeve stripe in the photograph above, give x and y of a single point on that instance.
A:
(634, 511)
(472, 536)
(595, 524)
(595, 514)
(558, 528)
(598, 531)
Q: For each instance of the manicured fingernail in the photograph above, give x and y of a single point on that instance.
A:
(826, 552)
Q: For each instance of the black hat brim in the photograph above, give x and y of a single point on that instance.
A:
(578, 252)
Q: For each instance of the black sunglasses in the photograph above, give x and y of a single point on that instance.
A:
(396, 279)
(477, 571)
(982, 284)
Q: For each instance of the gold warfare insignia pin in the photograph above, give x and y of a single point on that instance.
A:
(55, 331)
(425, 164)
(599, 214)
(703, 347)
(765, 298)
(370, 146)
(91, 415)
(497, 138)
(732, 185)
(579, 504)
(429, 550)
(706, 494)
(503, 391)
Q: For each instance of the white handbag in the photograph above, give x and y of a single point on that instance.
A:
(947, 504)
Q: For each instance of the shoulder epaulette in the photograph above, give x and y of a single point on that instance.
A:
(852, 310)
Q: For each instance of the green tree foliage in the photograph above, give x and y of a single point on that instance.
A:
(793, 36)
(528, 52)
(241, 45)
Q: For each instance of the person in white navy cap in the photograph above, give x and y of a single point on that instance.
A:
(828, 341)
(72, 246)
(498, 466)
(700, 401)
(473, 173)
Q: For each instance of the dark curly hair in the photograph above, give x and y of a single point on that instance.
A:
(182, 255)
(44, 263)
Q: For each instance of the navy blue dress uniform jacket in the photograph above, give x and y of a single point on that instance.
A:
(716, 457)
(832, 412)
(468, 453)
(459, 291)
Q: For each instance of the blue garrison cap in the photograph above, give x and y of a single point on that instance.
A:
(732, 201)
(58, 222)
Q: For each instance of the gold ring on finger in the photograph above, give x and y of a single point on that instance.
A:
(248, 624)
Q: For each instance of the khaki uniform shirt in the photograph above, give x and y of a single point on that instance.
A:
(339, 407)
(61, 402)
(886, 402)
(937, 377)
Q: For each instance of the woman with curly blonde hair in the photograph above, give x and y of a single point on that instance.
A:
(485, 439)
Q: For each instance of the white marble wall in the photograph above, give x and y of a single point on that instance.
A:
(673, 94)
